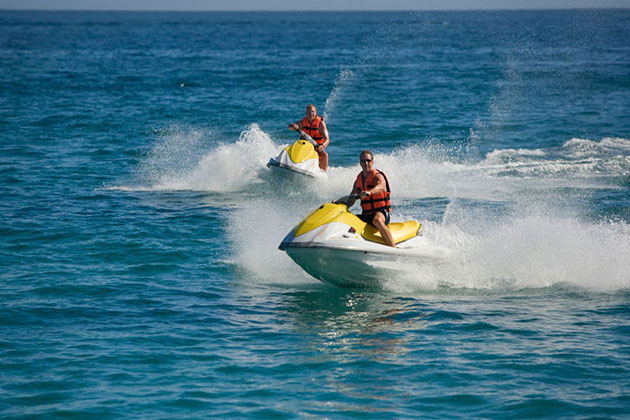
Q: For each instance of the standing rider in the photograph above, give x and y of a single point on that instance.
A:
(373, 188)
(314, 126)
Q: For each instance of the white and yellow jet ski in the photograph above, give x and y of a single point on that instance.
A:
(299, 157)
(335, 246)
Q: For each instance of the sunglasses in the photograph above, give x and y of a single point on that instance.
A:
(366, 160)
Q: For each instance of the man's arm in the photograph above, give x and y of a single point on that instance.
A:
(350, 198)
(296, 126)
(323, 130)
(379, 185)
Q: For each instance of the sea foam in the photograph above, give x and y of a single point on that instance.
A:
(540, 238)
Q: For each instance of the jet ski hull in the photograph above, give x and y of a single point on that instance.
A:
(353, 267)
(334, 246)
(308, 171)
(300, 157)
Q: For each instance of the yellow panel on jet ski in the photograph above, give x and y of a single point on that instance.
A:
(401, 231)
(301, 150)
(329, 213)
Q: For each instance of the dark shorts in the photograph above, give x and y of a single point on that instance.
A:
(367, 218)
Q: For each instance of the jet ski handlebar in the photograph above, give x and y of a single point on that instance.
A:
(348, 200)
(306, 137)
(303, 135)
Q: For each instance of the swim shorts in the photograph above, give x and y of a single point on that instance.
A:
(367, 218)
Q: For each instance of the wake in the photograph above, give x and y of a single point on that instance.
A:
(508, 221)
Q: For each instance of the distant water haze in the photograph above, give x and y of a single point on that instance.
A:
(277, 5)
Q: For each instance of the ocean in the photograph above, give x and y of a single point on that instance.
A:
(139, 224)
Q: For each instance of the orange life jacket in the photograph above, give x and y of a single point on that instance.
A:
(377, 201)
(313, 129)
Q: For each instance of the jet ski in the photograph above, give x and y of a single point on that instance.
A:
(299, 157)
(335, 246)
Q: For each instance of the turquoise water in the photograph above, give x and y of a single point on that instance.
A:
(139, 224)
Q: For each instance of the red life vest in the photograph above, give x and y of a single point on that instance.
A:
(377, 201)
(313, 129)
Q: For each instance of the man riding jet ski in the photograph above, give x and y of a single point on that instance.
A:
(372, 187)
(335, 246)
(314, 126)
(299, 157)
(307, 155)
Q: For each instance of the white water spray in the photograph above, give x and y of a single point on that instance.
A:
(531, 243)
(507, 224)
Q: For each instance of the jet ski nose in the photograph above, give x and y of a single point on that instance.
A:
(286, 241)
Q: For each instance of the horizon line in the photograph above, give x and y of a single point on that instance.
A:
(319, 11)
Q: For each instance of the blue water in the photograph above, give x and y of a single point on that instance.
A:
(139, 224)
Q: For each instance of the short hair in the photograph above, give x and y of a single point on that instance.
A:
(311, 106)
(366, 152)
